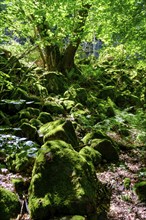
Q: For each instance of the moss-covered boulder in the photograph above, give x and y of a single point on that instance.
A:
(140, 189)
(107, 149)
(98, 134)
(28, 131)
(59, 130)
(9, 205)
(54, 82)
(77, 94)
(63, 183)
(91, 155)
(53, 107)
(45, 117)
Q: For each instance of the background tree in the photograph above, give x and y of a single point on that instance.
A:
(58, 27)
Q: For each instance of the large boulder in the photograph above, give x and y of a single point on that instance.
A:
(9, 205)
(59, 130)
(63, 183)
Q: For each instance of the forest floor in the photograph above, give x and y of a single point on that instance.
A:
(124, 203)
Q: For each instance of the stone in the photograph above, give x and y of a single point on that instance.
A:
(93, 135)
(63, 183)
(9, 205)
(59, 130)
(53, 107)
(91, 155)
(28, 131)
(107, 149)
(54, 82)
(45, 117)
(140, 189)
(76, 94)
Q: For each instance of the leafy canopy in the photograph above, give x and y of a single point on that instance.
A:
(113, 21)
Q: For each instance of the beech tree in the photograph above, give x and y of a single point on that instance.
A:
(57, 27)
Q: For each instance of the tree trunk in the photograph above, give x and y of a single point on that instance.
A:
(55, 61)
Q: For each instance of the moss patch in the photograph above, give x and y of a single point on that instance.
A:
(9, 204)
(61, 130)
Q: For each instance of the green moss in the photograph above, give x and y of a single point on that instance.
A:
(28, 131)
(61, 130)
(45, 117)
(140, 189)
(92, 135)
(53, 107)
(63, 183)
(68, 104)
(106, 148)
(91, 154)
(35, 122)
(9, 205)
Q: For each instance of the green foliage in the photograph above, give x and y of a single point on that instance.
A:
(5, 83)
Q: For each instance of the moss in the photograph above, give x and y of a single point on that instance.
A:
(63, 183)
(92, 135)
(21, 186)
(76, 94)
(106, 148)
(28, 131)
(91, 154)
(140, 189)
(53, 107)
(68, 104)
(54, 82)
(45, 117)
(33, 111)
(35, 122)
(60, 129)
(9, 204)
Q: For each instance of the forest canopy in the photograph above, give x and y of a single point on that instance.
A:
(58, 27)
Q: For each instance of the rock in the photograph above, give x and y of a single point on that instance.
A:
(59, 130)
(106, 148)
(35, 122)
(11, 106)
(93, 135)
(54, 82)
(140, 189)
(53, 107)
(45, 117)
(9, 204)
(28, 131)
(90, 154)
(63, 183)
(76, 94)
